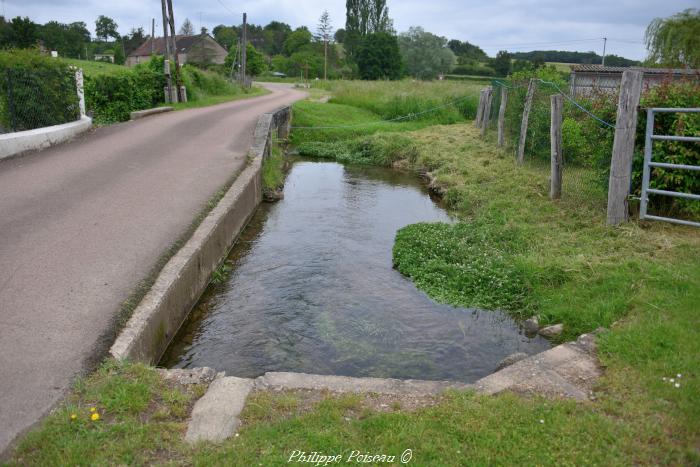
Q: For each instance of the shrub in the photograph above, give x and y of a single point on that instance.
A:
(111, 98)
(35, 91)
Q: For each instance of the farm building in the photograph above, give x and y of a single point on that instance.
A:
(194, 49)
(587, 78)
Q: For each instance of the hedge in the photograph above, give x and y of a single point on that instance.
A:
(35, 91)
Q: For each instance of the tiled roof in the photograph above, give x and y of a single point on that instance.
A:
(184, 43)
(620, 69)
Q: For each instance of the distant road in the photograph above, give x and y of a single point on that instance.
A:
(82, 223)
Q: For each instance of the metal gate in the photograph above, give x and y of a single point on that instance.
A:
(649, 163)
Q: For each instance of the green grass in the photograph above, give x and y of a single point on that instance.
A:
(205, 100)
(91, 67)
(273, 169)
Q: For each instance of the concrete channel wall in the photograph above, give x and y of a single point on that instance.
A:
(184, 278)
(12, 144)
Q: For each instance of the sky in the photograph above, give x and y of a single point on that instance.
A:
(514, 25)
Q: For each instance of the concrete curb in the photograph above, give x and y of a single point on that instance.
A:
(181, 282)
(347, 384)
(146, 112)
(12, 144)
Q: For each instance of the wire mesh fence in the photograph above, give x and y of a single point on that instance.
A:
(587, 136)
(32, 99)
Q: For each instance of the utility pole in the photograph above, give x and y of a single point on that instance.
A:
(605, 43)
(325, 57)
(244, 50)
(178, 83)
(166, 21)
(153, 36)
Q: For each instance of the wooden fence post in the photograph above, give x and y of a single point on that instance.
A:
(526, 117)
(488, 99)
(502, 116)
(480, 109)
(623, 146)
(557, 108)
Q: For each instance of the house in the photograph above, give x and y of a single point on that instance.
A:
(201, 48)
(587, 78)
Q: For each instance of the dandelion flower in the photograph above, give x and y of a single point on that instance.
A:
(94, 417)
(73, 416)
(93, 410)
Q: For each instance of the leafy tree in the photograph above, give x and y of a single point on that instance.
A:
(424, 54)
(226, 36)
(297, 40)
(133, 40)
(675, 41)
(502, 63)
(106, 27)
(364, 17)
(466, 52)
(203, 31)
(119, 57)
(279, 32)
(339, 36)
(255, 62)
(378, 57)
(23, 32)
(187, 29)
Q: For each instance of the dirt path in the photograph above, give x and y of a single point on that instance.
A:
(82, 223)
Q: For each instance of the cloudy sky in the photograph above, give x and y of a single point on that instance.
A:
(492, 24)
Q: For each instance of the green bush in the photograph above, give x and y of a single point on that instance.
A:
(35, 91)
(381, 149)
(111, 98)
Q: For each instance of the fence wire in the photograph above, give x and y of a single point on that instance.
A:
(32, 99)
(587, 137)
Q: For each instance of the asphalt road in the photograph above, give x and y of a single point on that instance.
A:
(82, 223)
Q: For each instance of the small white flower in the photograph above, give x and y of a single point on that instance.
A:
(678, 385)
(678, 375)
(237, 435)
(664, 378)
(672, 380)
(541, 421)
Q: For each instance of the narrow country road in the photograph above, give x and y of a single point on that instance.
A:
(82, 223)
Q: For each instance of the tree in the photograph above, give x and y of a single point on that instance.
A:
(23, 32)
(502, 63)
(203, 31)
(324, 33)
(187, 29)
(364, 17)
(279, 32)
(675, 41)
(424, 54)
(226, 36)
(339, 36)
(106, 27)
(255, 62)
(466, 52)
(297, 40)
(119, 57)
(133, 40)
(378, 57)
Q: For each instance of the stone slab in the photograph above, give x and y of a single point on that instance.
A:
(215, 415)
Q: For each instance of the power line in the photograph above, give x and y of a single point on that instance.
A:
(528, 44)
(228, 9)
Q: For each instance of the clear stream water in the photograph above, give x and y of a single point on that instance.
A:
(313, 290)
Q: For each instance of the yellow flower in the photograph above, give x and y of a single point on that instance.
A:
(94, 417)
(73, 416)
(93, 410)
